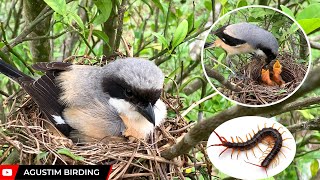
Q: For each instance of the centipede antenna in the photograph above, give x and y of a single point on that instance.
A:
(220, 138)
(258, 166)
(215, 145)
(223, 151)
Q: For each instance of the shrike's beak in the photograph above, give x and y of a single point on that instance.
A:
(147, 112)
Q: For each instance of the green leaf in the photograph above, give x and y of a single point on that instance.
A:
(208, 5)
(158, 4)
(41, 155)
(162, 39)
(180, 33)
(101, 35)
(77, 19)
(312, 11)
(281, 91)
(190, 22)
(1, 44)
(105, 8)
(287, 11)
(309, 25)
(314, 166)
(59, 6)
(242, 3)
(67, 152)
(223, 2)
(306, 114)
(150, 7)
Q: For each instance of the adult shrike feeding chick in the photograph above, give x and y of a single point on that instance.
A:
(84, 102)
(244, 37)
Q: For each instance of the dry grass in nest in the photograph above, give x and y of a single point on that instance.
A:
(254, 92)
(32, 136)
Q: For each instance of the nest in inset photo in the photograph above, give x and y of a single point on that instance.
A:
(252, 90)
(34, 140)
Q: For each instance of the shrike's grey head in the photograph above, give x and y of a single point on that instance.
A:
(134, 85)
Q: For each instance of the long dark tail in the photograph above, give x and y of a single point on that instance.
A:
(10, 71)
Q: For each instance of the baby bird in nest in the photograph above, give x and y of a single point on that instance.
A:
(276, 78)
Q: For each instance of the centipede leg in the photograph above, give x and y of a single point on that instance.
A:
(232, 153)
(286, 139)
(259, 148)
(232, 139)
(253, 153)
(223, 151)
(247, 154)
(286, 147)
(238, 153)
(282, 154)
(240, 139)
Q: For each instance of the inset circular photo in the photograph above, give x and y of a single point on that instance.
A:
(251, 147)
(256, 56)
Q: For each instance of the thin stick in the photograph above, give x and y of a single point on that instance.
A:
(197, 103)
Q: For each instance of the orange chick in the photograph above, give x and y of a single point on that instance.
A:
(277, 69)
(265, 77)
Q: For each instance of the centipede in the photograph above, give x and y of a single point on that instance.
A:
(267, 135)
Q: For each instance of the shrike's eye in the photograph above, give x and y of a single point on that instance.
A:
(128, 93)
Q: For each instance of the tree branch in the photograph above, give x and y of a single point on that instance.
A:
(214, 74)
(27, 30)
(203, 129)
(307, 125)
(315, 45)
(121, 12)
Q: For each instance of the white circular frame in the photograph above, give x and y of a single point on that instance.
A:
(240, 167)
(262, 105)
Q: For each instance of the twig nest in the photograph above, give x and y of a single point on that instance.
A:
(36, 139)
(255, 92)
